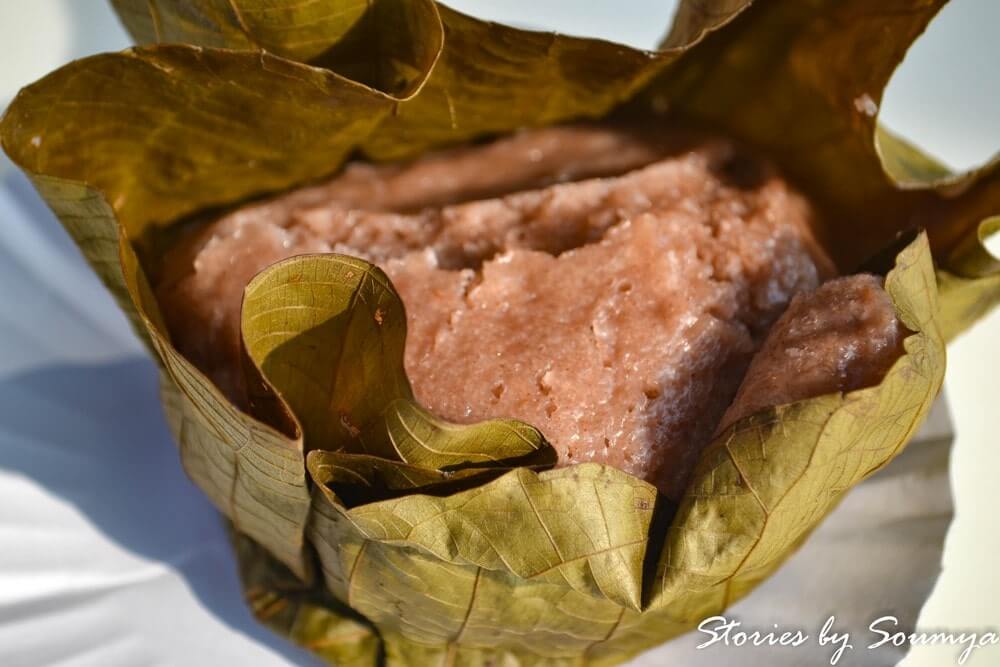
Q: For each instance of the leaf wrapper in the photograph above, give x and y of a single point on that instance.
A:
(445, 545)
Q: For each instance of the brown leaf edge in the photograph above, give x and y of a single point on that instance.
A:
(803, 83)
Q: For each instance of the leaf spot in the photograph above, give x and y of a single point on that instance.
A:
(348, 426)
(866, 105)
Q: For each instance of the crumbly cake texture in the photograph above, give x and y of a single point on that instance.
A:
(618, 314)
(201, 278)
(840, 337)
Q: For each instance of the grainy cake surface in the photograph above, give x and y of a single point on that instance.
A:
(616, 314)
(843, 336)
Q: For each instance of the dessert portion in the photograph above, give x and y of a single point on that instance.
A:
(201, 278)
(841, 337)
(617, 314)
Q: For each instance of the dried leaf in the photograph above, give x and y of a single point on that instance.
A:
(803, 81)
(357, 479)
(306, 614)
(420, 438)
(568, 539)
(390, 45)
(327, 333)
(970, 286)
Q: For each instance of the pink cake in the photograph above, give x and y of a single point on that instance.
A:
(842, 336)
(616, 312)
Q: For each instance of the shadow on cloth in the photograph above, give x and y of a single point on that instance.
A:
(96, 436)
